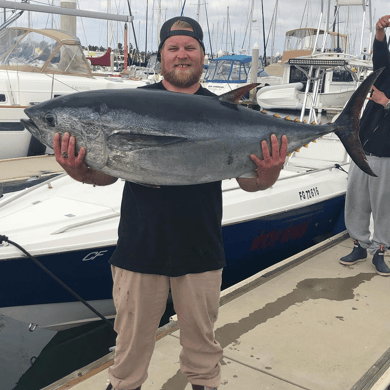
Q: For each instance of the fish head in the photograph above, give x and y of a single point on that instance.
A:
(75, 114)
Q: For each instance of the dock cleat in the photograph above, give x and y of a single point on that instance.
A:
(378, 261)
(358, 254)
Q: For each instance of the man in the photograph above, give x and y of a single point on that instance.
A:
(365, 194)
(170, 237)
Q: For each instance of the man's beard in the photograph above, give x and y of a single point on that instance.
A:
(185, 79)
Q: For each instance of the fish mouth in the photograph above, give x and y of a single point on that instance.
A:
(31, 127)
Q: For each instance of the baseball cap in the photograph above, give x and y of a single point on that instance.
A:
(166, 32)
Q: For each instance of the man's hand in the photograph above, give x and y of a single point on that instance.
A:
(382, 23)
(74, 166)
(268, 169)
(378, 97)
(64, 151)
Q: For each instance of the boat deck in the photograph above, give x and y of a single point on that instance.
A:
(305, 323)
(14, 171)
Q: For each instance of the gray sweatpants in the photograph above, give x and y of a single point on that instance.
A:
(366, 195)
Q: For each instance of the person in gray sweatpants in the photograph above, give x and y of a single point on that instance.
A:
(368, 195)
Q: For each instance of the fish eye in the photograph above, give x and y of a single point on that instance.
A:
(50, 119)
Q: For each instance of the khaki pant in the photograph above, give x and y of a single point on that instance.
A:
(140, 301)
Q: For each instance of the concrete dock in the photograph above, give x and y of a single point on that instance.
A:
(305, 323)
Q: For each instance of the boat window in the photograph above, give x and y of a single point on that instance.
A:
(238, 70)
(33, 49)
(211, 70)
(2, 98)
(297, 75)
(223, 70)
(340, 74)
(263, 73)
(9, 38)
(69, 59)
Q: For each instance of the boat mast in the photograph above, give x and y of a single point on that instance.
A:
(273, 28)
(108, 25)
(265, 46)
(250, 26)
(146, 29)
(159, 22)
(227, 30)
(208, 28)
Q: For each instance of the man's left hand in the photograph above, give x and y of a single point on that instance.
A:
(269, 167)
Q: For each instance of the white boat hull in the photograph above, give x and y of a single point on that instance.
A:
(72, 229)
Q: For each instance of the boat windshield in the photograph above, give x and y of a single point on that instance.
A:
(32, 51)
(305, 39)
(230, 70)
(9, 38)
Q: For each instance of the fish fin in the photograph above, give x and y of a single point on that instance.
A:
(233, 97)
(347, 124)
(133, 141)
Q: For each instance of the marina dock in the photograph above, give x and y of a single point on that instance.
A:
(305, 323)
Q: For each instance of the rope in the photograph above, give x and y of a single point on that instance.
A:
(59, 281)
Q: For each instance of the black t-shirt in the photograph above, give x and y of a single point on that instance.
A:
(172, 230)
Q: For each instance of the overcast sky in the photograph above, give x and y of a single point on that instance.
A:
(290, 14)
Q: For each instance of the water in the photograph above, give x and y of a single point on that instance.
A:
(33, 360)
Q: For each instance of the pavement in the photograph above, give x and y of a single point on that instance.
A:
(305, 323)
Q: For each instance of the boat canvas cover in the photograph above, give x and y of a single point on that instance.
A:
(43, 51)
(231, 69)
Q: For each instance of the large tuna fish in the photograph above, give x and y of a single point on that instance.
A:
(163, 138)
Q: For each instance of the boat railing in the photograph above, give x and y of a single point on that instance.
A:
(311, 171)
(85, 223)
(307, 172)
(25, 192)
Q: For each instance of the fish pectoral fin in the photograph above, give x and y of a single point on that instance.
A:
(141, 141)
(233, 97)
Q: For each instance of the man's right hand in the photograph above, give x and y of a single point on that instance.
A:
(74, 166)
(64, 151)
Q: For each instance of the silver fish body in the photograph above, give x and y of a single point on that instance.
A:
(164, 138)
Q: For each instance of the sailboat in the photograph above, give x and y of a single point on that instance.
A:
(41, 64)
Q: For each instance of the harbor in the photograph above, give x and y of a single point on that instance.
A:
(291, 316)
(304, 323)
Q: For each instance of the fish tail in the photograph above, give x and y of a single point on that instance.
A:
(347, 124)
